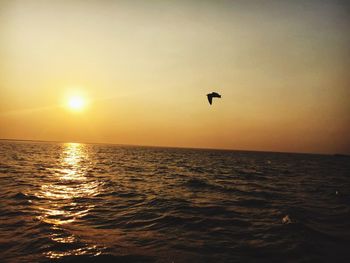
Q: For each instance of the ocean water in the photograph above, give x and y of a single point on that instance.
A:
(107, 203)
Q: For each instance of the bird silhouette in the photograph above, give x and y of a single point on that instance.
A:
(213, 95)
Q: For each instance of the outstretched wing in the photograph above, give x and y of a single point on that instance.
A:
(210, 98)
(216, 95)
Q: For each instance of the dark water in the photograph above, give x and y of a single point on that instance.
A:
(101, 203)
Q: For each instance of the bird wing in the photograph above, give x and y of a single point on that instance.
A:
(210, 98)
(216, 95)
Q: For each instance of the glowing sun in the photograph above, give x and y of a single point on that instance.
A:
(76, 103)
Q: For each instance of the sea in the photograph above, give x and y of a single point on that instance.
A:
(73, 202)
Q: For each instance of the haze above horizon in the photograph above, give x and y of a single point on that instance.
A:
(137, 72)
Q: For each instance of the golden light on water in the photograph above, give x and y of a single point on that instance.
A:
(70, 179)
(60, 202)
(74, 162)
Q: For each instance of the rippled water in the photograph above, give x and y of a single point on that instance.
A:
(67, 202)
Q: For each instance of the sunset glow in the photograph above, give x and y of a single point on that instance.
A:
(76, 103)
(174, 131)
(281, 68)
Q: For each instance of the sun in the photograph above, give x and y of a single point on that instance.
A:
(76, 103)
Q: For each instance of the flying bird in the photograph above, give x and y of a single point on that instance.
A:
(213, 95)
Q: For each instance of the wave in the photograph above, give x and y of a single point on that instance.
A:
(137, 204)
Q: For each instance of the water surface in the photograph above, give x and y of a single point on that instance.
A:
(98, 203)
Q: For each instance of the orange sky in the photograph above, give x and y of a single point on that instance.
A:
(144, 68)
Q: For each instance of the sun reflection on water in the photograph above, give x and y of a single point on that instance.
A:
(69, 180)
(65, 197)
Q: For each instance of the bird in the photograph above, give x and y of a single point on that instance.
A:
(213, 95)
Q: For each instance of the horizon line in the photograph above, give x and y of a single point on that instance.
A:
(175, 147)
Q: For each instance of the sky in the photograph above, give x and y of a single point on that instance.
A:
(143, 69)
